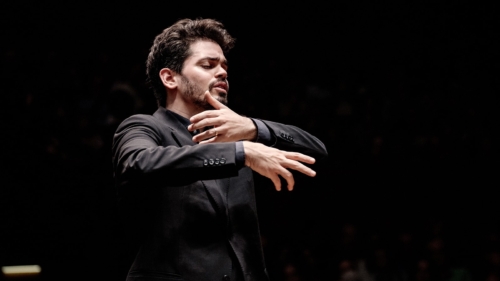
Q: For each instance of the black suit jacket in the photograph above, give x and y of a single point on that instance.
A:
(192, 207)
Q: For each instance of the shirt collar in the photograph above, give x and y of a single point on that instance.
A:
(184, 121)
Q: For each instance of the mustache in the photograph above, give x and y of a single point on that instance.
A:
(211, 85)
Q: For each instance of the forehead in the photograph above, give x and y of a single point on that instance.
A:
(205, 49)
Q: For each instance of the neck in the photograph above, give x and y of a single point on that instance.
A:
(182, 112)
(180, 106)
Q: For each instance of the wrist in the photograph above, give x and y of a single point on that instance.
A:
(252, 132)
(247, 149)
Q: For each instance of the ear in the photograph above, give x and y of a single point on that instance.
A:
(167, 77)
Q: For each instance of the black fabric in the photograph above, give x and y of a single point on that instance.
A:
(192, 207)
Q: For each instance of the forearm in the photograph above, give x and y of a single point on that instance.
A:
(140, 149)
(292, 138)
(137, 160)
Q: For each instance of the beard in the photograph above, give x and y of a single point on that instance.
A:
(195, 94)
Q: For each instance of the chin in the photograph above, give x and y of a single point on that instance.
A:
(222, 98)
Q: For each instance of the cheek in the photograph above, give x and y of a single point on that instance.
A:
(202, 79)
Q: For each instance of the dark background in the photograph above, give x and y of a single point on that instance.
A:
(404, 96)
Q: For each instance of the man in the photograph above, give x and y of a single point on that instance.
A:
(184, 174)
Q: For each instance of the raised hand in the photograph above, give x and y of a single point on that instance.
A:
(273, 163)
(227, 125)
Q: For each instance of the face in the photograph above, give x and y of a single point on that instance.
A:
(205, 69)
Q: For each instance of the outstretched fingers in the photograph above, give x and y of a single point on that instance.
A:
(282, 171)
(276, 164)
(294, 162)
(299, 157)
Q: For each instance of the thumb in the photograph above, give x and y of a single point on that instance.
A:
(213, 101)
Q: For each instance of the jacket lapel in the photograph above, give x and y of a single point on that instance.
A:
(215, 188)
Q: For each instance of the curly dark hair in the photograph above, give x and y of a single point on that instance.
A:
(171, 48)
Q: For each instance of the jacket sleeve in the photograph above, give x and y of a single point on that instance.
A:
(291, 138)
(141, 147)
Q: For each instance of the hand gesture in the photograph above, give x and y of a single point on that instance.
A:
(227, 125)
(272, 163)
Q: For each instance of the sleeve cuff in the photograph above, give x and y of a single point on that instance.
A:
(240, 154)
(263, 133)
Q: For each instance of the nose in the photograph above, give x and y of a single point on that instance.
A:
(221, 73)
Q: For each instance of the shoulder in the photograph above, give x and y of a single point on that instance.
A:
(138, 118)
(135, 121)
(141, 125)
(138, 126)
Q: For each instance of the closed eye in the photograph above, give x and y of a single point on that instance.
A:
(211, 62)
